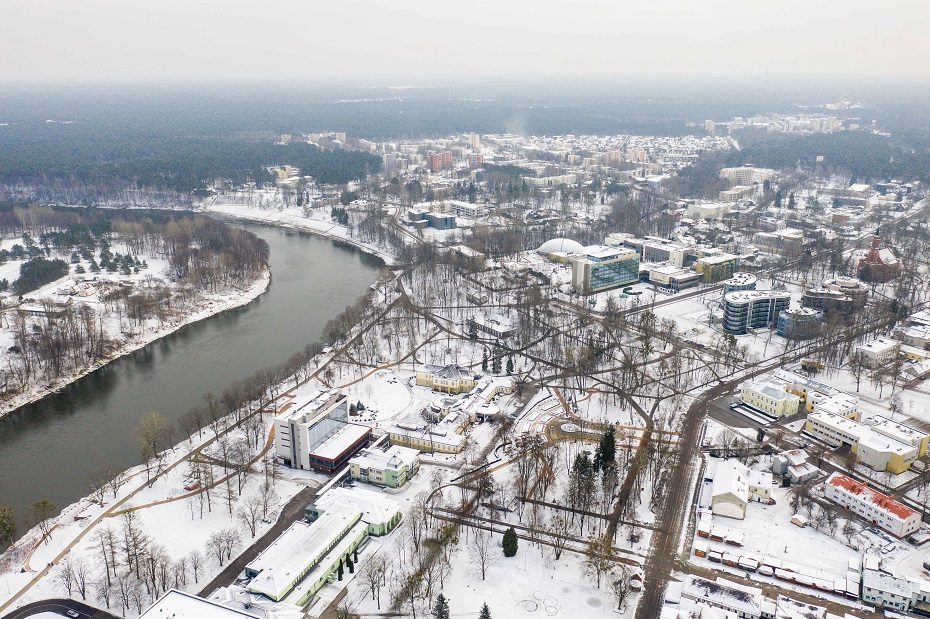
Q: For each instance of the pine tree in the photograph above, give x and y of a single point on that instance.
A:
(355, 556)
(350, 564)
(472, 329)
(485, 612)
(607, 449)
(441, 607)
(510, 542)
(496, 364)
(509, 366)
(484, 361)
(339, 571)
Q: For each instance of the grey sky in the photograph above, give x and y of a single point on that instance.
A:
(308, 39)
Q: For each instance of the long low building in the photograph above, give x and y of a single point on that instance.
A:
(881, 444)
(875, 507)
(299, 550)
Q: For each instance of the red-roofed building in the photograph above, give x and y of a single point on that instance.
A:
(879, 509)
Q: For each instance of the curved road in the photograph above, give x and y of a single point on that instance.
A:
(59, 607)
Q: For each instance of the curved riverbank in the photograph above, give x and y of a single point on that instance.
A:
(281, 219)
(51, 449)
(215, 304)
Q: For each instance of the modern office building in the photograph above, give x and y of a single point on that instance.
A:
(313, 432)
(599, 267)
(755, 309)
(660, 251)
(843, 295)
(799, 323)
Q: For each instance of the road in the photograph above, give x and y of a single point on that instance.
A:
(60, 607)
(292, 512)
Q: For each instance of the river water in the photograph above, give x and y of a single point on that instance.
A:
(50, 449)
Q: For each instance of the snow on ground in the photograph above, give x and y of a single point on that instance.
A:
(294, 218)
(782, 540)
(73, 288)
(168, 519)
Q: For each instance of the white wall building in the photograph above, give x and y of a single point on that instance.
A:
(873, 506)
(880, 351)
(730, 491)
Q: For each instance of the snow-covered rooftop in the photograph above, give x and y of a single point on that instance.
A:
(179, 605)
(338, 443)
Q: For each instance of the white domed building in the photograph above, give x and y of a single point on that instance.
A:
(560, 249)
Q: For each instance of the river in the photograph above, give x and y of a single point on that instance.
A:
(50, 449)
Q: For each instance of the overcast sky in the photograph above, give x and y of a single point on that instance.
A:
(93, 40)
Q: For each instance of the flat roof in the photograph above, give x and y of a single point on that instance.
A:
(338, 443)
(392, 457)
(296, 550)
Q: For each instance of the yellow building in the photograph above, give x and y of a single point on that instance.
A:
(717, 268)
(446, 378)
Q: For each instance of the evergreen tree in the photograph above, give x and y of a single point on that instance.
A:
(355, 556)
(472, 329)
(485, 612)
(441, 607)
(509, 366)
(339, 571)
(792, 204)
(484, 361)
(350, 564)
(496, 364)
(607, 449)
(510, 542)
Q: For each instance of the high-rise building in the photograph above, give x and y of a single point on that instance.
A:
(752, 309)
(474, 140)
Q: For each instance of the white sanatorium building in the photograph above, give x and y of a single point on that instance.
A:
(875, 507)
(881, 444)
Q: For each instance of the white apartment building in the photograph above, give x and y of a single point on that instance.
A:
(747, 175)
(880, 351)
(873, 506)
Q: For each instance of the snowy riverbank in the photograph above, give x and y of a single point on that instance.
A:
(208, 305)
(291, 218)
